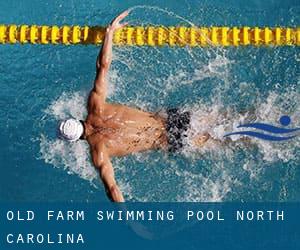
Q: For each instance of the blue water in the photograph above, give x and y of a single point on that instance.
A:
(42, 84)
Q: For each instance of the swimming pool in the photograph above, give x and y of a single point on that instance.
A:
(42, 84)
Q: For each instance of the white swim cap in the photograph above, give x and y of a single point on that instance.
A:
(70, 130)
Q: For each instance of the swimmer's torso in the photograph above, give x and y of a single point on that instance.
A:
(124, 130)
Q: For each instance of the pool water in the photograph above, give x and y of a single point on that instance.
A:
(43, 84)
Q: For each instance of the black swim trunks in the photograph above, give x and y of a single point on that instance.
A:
(177, 125)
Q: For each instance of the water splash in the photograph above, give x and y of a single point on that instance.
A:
(192, 185)
(215, 85)
(74, 158)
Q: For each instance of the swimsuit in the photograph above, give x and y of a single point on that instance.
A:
(177, 125)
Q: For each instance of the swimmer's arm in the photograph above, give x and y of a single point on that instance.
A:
(106, 171)
(105, 56)
(102, 65)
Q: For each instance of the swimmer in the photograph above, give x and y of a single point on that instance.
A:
(114, 130)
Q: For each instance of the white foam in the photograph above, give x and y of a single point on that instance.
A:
(214, 118)
(174, 182)
(271, 110)
(72, 157)
(68, 105)
(216, 121)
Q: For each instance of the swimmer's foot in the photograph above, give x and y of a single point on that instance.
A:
(200, 140)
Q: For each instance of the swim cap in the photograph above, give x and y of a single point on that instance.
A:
(70, 129)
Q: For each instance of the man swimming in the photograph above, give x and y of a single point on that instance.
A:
(117, 130)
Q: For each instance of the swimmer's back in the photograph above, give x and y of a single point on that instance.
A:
(126, 130)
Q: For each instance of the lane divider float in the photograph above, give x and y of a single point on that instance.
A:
(152, 35)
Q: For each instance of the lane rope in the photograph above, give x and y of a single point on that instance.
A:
(152, 35)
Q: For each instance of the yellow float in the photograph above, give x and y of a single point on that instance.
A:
(152, 35)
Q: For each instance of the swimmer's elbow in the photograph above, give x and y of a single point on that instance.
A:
(99, 163)
(105, 63)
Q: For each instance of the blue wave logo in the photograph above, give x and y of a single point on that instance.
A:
(279, 133)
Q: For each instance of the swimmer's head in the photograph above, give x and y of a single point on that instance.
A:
(70, 130)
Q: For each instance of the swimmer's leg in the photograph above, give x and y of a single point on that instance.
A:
(200, 140)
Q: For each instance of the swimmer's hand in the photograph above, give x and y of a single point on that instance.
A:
(115, 24)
